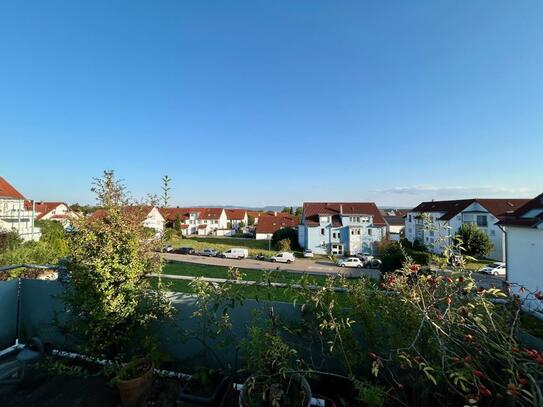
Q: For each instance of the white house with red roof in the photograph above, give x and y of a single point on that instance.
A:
(435, 223)
(56, 211)
(236, 217)
(14, 215)
(268, 224)
(524, 249)
(197, 221)
(341, 228)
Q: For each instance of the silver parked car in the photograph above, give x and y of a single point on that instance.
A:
(494, 269)
(209, 253)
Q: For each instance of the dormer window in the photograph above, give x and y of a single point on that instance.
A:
(325, 219)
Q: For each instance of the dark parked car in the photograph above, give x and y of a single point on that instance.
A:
(185, 250)
(209, 253)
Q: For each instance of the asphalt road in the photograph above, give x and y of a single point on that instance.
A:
(309, 266)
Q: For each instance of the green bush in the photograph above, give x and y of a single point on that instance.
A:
(392, 256)
(286, 233)
(473, 241)
(9, 241)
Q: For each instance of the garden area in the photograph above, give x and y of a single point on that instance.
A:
(411, 340)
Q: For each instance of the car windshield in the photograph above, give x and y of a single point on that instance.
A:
(495, 265)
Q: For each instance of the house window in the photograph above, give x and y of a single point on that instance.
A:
(358, 231)
(482, 221)
(369, 232)
(334, 235)
(409, 218)
(322, 231)
(492, 232)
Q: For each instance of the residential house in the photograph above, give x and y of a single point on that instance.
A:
(524, 248)
(197, 221)
(435, 223)
(395, 227)
(56, 211)
(341, 228)
(269, 224)
(14, 215)
(255, 215)
(150, 215)
(237, 217)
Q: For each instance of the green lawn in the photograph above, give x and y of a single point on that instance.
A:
(223, 243)
(261, 293)
(205, 270)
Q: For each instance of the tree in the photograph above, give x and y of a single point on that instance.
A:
(250, 220)
(165, 191)
(286, 233)
(473, 241)
(109, 297)
(285, 210)
(283, 245)
(241, 225)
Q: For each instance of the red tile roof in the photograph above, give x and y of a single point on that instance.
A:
(235, 214)
(43, 208)
(312, 210)
(498, 207)
(528, 215)
(183, 213)
(271, 224)
(8, 191)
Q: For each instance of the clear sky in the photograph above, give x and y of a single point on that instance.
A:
(262, 102)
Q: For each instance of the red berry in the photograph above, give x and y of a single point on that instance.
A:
(477, 373)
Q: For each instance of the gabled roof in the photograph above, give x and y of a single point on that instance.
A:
(172, 214)
(528, 215)
(235, 214)
(498, 207)
(43, 208)
(312, 210)
(395, 220)
(8, 191)
(271, 224)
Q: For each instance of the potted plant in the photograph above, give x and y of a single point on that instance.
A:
(273, 381)
(207, 387)
(108, 296)
(134, 380)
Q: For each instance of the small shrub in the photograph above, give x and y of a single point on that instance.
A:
(474, 242)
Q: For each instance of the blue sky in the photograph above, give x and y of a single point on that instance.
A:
(273, 102)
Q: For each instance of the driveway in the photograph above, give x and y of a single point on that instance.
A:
(309, 266)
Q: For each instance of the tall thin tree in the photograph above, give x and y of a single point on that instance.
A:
(165, 190)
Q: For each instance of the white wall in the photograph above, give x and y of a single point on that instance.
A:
(263, 236)
(525, 258)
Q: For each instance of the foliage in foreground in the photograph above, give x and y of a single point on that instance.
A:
(109, 297)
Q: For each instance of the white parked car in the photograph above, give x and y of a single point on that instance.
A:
(235, 253)
(494, 269)
(364, 256)
(283, 257)
(308, 253)
(350, 262)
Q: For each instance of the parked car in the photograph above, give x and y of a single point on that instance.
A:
(494, 269)
(209, 253)
(260, 256)
(235, 253)
(373, 264)
(167, 248)
(283, 257)
(185, 250)
(350, 262)
(308, 253)
(364, 257)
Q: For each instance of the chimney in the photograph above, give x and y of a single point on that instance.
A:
(341, 209)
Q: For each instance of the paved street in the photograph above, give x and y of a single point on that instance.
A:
(310, 266)
(316, 267)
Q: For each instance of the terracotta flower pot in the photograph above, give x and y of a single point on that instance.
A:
(132, 391)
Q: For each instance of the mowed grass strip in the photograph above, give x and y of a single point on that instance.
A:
(205, 270)
(224, 243)
(253, 292)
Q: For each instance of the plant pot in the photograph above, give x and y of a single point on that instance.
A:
(303, 386)
(132, 391)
